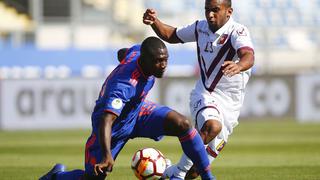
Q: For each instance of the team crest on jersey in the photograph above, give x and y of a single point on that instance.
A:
(223, 39)
(116, 103)
(241, 32)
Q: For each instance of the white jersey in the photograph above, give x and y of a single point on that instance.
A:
(215, 48)
(215, 96)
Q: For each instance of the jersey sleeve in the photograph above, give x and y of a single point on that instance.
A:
(117, 95)
(241, 39)
(187, 33)
(131, 53)
(134, 48)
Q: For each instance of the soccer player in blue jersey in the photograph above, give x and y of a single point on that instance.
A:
(122, 113)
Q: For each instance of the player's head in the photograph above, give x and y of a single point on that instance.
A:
(154, 56)
(121, 53)
(217, 13)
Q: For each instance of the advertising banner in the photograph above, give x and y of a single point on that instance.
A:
(270, 97)
(37, 104)
(308, 97)
(68, 103)
(50, 104)
(266, 96)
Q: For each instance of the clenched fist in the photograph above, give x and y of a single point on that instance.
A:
(149, 17)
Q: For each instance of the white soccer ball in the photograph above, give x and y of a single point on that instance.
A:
(148, 163)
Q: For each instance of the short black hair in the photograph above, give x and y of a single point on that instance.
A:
(150, 45)
(228, 3)
(121, 53)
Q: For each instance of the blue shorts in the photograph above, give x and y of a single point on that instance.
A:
(149, 124)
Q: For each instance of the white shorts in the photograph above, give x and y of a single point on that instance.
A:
(205, 106)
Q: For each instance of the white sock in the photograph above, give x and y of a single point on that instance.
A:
(211, 159)
(183, 166)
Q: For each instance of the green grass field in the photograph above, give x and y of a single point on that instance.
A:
(256, 151)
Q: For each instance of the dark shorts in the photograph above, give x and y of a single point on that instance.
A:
(149, 124)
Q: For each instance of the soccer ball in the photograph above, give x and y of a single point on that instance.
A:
(148, 163)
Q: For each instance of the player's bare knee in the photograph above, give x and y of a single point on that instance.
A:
(176, 124)
(182, 124)
(210, 130)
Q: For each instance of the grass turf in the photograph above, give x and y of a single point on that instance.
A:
(277, 150)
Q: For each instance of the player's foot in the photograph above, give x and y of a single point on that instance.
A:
(56, 168)
(214, 177)
(168, 162)
(172, 172)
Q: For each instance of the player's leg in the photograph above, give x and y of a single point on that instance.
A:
(58, 173)
(52, 173)
(93, 154)
(174, 124)
(190, 140)
(207, 120)
(210, 128)
(70, 175)
(213, 149)
(89, 158)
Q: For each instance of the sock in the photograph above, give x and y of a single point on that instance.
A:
(70, 175)
(211, 154)
(211, 159)
(184, 165)
(194, 148)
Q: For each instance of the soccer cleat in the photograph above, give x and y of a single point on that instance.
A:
(168, 162)
(214, 177)
(175, 178)
(56, 168)
(171, 173)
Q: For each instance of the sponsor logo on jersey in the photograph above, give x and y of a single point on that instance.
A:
(223, 38)
(116, 103)
(241, 32)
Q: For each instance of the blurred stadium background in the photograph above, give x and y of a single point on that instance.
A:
(55, 54)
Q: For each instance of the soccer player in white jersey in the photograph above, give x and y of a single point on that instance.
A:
(225, 56)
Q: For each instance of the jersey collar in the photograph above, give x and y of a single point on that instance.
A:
(224, 27)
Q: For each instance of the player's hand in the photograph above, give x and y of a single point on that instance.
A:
(149, 17)
(230, 68)
(105, 167)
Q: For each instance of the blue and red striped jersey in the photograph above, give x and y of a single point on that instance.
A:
(123, 91)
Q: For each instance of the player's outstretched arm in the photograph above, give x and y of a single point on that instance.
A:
(105, 166)
(164, 31)
(246, 59)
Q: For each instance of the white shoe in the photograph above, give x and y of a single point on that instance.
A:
(168, 162)
(172, 172)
